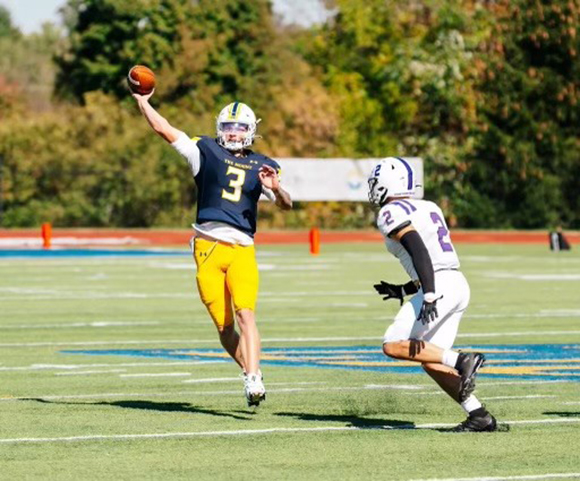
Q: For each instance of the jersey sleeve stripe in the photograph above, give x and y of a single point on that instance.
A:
(402, 206)
(408, 204)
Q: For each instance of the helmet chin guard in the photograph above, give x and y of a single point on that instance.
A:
(391, 177)
(236, 118)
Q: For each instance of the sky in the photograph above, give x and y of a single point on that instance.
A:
(28, 15)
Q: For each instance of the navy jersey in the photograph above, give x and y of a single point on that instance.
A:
(228, 186)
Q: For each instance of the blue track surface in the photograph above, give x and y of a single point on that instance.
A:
(548, 362)
(57, 253)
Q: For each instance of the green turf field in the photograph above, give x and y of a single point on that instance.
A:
(144, 406)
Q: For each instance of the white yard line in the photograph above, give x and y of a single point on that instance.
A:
(403, 387)
(519, 383)
(245, 432)
(517, 334)
(509, 478)
(144, 363)
(82, 373)
(531, 396)
(304, 383)
(158, 374)
(485, 398)
(213, 379)
(80, 324)
(186, 342)
(110, 343)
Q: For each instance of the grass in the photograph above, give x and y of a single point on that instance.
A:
(143, 417)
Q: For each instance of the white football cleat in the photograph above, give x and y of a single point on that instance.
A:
(254, 389)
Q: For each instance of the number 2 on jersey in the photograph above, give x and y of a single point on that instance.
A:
(236, 183)
(442, 232)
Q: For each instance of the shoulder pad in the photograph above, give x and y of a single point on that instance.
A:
(394, 216)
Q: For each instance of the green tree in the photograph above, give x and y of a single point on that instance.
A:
(26, 66)
(7, 28)
(526, 162)
(205, 54)
(107, 37)
(100, 170)
(404, 74)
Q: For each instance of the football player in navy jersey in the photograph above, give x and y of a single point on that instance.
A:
(425, 328)
(230, 179)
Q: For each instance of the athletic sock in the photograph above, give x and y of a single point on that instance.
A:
(450, 358)
(460, 356)
(472, 406)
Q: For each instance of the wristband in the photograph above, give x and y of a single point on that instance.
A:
(430, 297)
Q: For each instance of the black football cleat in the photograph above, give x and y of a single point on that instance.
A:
(477, 422)
(255, 401)
(467, 366)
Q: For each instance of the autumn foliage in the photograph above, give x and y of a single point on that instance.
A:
(487, 93)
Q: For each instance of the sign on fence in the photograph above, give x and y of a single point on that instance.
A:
(335, 179)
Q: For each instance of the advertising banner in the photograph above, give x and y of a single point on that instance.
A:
(335, 179)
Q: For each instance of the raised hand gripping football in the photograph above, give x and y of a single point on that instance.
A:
(141, 80)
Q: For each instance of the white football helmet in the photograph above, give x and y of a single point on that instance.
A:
(391, 177)
(236, 118)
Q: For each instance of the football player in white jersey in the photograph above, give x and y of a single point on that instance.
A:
(425, 328)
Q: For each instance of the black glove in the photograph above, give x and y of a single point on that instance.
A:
(390, 291)
(428, 311)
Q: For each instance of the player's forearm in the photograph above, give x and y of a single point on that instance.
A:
(283, 200)
(157, 122)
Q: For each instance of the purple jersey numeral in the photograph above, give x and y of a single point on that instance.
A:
(388, 217)
(442, 232)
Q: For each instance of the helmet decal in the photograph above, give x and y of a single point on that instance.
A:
(234, 110)
(410, 184)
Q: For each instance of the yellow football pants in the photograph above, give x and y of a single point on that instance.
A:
(227, 276)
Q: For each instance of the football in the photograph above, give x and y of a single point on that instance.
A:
(141, 80)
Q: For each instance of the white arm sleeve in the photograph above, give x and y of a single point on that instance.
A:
(189, 149)
(268, 193)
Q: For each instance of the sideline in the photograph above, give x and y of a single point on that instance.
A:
(182, 236)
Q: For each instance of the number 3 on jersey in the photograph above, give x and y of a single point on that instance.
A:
(236, 183)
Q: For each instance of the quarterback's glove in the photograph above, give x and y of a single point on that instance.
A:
(428, 310)
(395, 291)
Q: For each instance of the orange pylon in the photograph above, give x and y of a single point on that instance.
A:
(46, 235)
(314, 241)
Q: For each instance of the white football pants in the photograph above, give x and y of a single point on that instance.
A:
(454, 289)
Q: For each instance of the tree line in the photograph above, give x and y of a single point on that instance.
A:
(485, 91)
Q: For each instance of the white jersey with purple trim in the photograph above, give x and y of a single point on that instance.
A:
(428, 220)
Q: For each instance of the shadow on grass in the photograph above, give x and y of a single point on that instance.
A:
(371, 423)
(351, 420)
(563, 414)
(154, 406)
